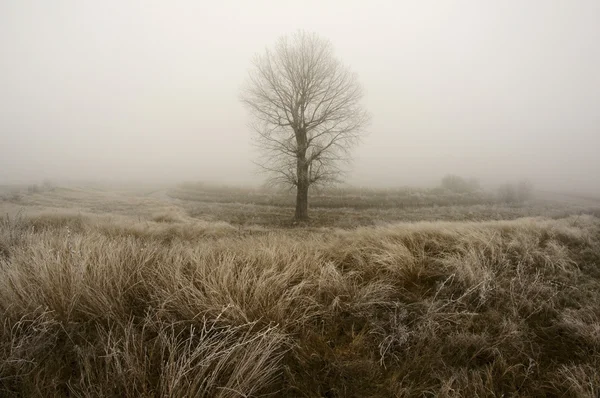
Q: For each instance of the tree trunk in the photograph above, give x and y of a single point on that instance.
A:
(302, 177)
(302, 191)
(302, 202)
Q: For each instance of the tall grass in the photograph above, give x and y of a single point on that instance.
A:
(102, 306)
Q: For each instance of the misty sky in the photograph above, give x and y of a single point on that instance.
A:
(496, 90)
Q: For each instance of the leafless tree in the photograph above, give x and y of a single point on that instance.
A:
(305, 112)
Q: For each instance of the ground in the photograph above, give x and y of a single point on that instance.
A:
(194, 290)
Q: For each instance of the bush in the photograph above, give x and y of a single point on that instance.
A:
(34, 188)
(516, 192)
(48, 185)
(524, 190)
(460, 185)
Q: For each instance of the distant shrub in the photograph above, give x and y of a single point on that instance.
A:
(524, 190)
(459, 184)
(518, 192)
(507, 193)
(45, 186)
(33, 188)
(48, 185)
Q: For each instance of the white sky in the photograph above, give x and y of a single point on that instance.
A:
(126, 89)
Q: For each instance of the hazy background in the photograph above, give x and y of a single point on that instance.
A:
(148, 90)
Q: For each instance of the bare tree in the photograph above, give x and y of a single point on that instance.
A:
(306, 113)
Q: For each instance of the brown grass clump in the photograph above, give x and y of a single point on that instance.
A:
(110, 306)
(167, 217)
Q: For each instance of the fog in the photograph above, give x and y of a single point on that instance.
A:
(149, 90)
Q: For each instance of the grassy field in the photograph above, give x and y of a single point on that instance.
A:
(196, 291)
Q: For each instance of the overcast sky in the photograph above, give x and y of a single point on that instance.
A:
(124, 89)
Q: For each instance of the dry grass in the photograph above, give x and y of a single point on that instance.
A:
(332, 198)
(109, 305)
(352, 207)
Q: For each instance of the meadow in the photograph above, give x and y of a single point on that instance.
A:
(202, 291)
